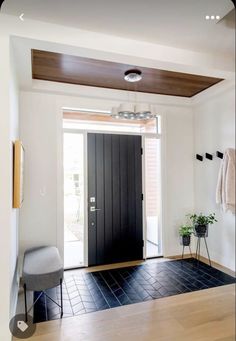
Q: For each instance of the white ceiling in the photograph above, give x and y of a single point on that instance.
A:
(177, 23)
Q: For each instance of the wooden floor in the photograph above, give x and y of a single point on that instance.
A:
(206, 315)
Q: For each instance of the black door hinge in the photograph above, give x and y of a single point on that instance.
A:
(142, 196)
(141, 151)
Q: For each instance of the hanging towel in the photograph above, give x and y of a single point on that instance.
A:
(225, 192)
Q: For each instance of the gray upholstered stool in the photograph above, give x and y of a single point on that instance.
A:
(42, 269)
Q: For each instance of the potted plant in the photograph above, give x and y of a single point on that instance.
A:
(185, 232)
(201, 222)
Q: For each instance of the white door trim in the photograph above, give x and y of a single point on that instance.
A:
(60, 183)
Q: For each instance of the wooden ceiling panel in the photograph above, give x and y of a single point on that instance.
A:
(64, 68)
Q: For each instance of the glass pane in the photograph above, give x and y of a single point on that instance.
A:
(152, 197)
(73, 200)
(149, 126)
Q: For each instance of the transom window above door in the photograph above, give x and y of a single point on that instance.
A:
(102, 121)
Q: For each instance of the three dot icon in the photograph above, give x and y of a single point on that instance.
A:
(212, 17)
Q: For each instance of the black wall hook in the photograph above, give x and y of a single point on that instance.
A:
(219, 154)
(199, 157)
(209, 156)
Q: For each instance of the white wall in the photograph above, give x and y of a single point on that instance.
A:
(41, 217)
(38, 215)
(8, 215)
(14, 135)
(177, 170)
(214, 121)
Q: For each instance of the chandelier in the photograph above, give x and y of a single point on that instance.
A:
(131, 111)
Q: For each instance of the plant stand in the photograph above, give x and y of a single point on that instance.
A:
(198, 249)
(189, 250)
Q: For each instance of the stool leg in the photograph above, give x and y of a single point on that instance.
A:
(26, 314)
(61, 299)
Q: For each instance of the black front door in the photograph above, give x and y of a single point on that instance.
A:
(115, 231)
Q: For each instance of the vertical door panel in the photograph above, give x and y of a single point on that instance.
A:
(138, 198)
(99, 204)
(124, 205)
(92, 231)
(115, 176)
(108, 219)
(131, 173)
(116, 204)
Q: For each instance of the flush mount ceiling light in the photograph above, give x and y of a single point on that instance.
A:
(133, 76)
(131, 111)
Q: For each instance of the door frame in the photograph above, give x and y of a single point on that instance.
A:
(143, 135)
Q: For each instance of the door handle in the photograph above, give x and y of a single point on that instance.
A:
(93, 209)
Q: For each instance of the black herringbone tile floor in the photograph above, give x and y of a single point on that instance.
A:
(92, 291)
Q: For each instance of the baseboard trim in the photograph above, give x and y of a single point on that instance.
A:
(206, 261)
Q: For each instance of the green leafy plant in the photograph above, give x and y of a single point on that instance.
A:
(202, 219)
(185, 230)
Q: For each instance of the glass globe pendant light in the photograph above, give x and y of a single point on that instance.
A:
(130, 111)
